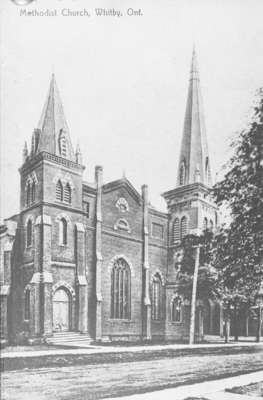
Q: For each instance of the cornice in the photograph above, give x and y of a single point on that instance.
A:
(32, 162)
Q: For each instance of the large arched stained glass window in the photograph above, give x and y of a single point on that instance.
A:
(120, 290)
(156, 298)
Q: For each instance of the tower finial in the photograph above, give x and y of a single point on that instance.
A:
(194, 68)
(78, 154)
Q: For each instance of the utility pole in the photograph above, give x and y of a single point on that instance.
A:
(193, 303)
(258, 337)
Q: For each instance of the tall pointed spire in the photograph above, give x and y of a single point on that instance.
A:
(194, 162)
(54, 133)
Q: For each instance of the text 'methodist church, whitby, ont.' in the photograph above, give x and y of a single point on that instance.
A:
(96, 258)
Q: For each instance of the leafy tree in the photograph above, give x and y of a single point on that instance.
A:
(239, 246)
(207, 287)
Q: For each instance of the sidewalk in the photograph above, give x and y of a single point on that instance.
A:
(123, 349)
(212, 390)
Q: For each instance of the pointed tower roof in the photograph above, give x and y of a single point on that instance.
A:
(53, 125)
(194, 162)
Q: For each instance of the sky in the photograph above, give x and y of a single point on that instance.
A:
(123, 82)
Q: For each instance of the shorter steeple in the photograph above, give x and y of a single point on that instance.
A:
(194, 162)
(52, 134)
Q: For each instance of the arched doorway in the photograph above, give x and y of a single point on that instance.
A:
(61, 310)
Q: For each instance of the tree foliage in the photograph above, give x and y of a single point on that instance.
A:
(231, 260)
(207, 284)
(239, 247)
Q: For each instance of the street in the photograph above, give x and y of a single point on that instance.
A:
(123, 378)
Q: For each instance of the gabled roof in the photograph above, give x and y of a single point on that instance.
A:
(122, 183)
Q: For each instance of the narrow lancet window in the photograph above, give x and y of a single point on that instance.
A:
(156, 298)
(177, 309)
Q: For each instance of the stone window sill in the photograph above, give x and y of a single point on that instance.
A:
(65, 203)
(119, 320)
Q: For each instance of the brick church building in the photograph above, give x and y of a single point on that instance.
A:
(98, 258)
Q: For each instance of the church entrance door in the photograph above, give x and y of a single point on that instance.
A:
(61, 311)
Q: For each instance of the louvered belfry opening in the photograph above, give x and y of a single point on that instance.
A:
(176, 230)
(184, 227)
(67, 193)
(59, 191)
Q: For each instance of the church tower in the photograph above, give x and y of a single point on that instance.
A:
(52, 248)
(190, 208)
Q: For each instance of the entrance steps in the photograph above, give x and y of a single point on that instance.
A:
(70, 339)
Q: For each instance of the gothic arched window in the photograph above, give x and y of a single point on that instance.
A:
(63, 148)
(183, 228)
(120, 290)
(176, 230)
(176, 311)
(156, 297)
(29, 229)
(182, 174)
(59, 191)
(67, 193)
(211, 225)
(27, 305)
(63, 231)
(205, 224)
